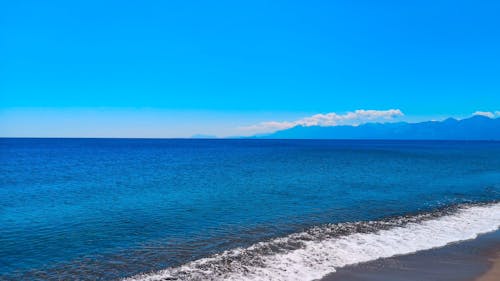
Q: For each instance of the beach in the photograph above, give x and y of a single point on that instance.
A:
(494, 272)
(472, 260)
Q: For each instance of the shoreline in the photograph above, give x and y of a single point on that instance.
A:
(494, 271)
(471, 260)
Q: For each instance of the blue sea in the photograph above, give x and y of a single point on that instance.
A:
(154, 209)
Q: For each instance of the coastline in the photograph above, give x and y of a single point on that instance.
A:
(494, 272)
(471, 260)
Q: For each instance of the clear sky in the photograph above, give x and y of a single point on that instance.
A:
(177, 68)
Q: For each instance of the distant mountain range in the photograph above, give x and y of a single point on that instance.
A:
(474, 128)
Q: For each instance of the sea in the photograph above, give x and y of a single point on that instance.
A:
(235, 209)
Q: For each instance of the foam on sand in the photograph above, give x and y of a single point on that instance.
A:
(317, 252)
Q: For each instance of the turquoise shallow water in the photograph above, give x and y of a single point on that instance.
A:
(111, 208)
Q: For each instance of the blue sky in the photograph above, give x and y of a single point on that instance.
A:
(177, 68)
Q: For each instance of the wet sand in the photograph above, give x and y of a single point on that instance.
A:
(493, 274)
(477, 260)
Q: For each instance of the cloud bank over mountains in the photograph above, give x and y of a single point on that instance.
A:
(489, 114)
(353, 118)
(477, 127)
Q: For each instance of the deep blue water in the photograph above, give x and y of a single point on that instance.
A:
(110, 208)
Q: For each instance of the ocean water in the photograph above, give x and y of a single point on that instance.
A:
(137, 209)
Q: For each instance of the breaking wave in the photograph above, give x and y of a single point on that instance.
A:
(314, 253)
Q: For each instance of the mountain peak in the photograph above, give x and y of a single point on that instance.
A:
(450, 120)
(480, 117)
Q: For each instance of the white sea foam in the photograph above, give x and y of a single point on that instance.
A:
(311, 255)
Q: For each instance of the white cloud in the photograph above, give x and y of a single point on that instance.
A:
(326, 120)
(487, 113)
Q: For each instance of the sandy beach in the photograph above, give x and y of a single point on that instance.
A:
(493, 274)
